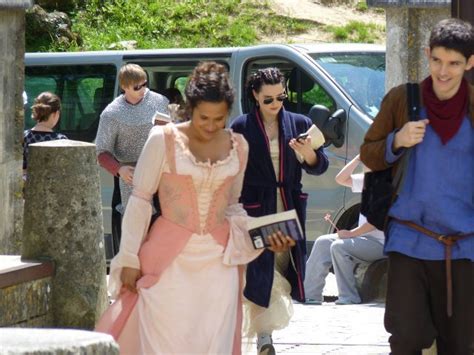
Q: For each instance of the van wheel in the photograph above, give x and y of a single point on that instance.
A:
(349, 219)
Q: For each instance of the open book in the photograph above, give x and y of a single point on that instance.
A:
(261, 227)
(317, 137)
(161, 117)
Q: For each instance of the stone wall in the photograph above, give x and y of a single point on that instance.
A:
(408, 31)
(12, 47)
(16, 341)
(25, 293)
(34, 308)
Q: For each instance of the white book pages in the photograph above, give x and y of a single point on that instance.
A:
(161, 117)
(317, 137)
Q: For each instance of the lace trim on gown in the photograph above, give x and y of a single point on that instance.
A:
(206, 164)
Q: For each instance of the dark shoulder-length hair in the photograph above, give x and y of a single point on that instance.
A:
(266, 76)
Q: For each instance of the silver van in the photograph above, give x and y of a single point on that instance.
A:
(339, 86)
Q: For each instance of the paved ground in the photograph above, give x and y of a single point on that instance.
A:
(332, 329)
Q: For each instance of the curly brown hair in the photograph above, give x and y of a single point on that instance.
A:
(208, 82)
(44, 105)
(453, 34)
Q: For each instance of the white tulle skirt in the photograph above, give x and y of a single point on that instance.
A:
(258, 320)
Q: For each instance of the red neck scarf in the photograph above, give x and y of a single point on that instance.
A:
(445, 115)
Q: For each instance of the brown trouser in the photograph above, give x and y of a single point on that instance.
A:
(415, 313)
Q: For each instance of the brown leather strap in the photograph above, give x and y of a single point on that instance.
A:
(448, 241)
(443, 238)
(449, 280)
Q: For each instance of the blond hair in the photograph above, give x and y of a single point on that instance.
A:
(131, 74)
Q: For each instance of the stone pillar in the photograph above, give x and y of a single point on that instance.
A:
(464, 10)
(409, 23)
(16, 341)
(12, 50)
(63, 222)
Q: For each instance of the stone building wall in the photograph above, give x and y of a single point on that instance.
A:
(26, 290)
(12, 48)
(408, 31)
(34, 310)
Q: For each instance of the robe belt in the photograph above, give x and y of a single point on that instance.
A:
(448, 240)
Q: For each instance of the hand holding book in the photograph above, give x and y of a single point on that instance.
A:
(279, 242)
(161, 118)
(317, 137)
(275, 230)
(306, 143)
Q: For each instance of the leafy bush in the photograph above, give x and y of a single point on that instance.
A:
(176, 23)
(355, 31)
(362, 6)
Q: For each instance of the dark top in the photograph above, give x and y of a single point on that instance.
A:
(30, 136)
(259, 195)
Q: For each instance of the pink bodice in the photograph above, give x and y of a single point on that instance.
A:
(177, 192)
(180, 210)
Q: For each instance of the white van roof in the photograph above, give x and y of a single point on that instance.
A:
(91, 56)
(339, 47)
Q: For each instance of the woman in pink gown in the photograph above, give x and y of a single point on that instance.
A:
(178, 285)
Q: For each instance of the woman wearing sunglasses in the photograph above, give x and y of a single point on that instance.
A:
(123, 129)
(272, 184)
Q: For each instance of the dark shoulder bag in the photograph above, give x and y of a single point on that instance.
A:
(380, 189)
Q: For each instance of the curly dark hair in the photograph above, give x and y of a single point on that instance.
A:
(453, 34)
(208, 82)
(44, 105)
(267, 76)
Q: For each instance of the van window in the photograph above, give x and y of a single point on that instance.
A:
(303, 91)
(180, 84)
(361, 74)
(163, 74)
(85, 90)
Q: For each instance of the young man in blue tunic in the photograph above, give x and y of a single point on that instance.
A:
(429, 238)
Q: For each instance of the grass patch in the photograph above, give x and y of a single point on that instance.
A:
(173, 24)
(356, 31)
(362, 6)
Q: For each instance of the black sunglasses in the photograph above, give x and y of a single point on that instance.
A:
(269, 100)
(139, 87)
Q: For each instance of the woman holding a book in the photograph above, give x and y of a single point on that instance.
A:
(272, 184)
(178, 284)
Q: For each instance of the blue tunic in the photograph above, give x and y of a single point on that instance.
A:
(438, 194)
(259, 195)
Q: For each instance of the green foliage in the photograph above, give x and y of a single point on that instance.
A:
(176, 23)
(317, 96)
(355, 31)
(362, 6)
